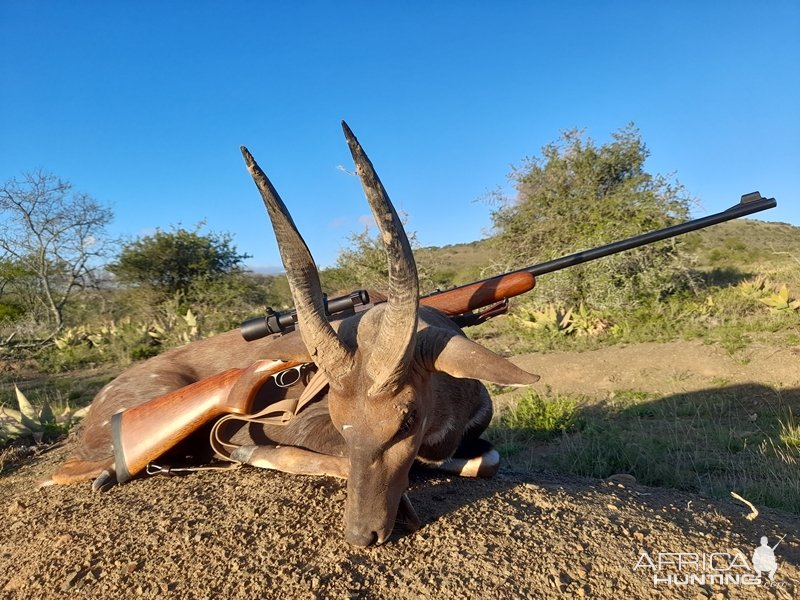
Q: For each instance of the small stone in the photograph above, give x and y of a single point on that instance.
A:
(16, 507)
(621, 478)
(15, 583)
(70, 580)
(612, 507)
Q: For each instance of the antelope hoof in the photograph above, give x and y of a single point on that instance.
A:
(406, 515)
(243, 454)
(105, 481)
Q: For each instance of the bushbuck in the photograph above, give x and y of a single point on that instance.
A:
(403, 382)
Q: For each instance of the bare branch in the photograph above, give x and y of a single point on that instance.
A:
(789, 254)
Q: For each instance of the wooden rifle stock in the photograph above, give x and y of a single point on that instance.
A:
(466, 298)
(143, 433)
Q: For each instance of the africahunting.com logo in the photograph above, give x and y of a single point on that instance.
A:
(722, 568)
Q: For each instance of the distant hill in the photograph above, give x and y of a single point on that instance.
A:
(743, 244)
(746, 243)
(458, 263)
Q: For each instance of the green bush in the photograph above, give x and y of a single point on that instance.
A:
(578, 195)
(540, 417)
(55, 360)
(10, 311)
(173, 261)
(364, 265)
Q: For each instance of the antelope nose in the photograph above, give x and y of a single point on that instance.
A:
(361, 538)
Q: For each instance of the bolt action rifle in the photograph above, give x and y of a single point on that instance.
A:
(490, 296)
(232, 392)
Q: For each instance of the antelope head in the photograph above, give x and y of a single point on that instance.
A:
(379, 364)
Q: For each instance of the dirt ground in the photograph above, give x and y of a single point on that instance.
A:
(250, 533)
(663, 368)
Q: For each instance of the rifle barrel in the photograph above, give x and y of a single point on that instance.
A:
(463, 299)
(779, 541)
(751, 203)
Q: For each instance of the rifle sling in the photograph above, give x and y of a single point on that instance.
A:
(277, 413)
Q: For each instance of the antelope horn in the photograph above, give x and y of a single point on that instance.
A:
(326, 349)
(390, 355)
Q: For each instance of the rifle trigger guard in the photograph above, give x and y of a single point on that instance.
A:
(288, 377)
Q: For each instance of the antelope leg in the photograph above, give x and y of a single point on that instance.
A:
(290, 459)
(485, 465)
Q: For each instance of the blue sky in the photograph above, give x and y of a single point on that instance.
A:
(144, 104)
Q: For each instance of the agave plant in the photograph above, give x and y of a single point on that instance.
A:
(74, 336)
(552, 319)
(755, 287)
(27, 421)
(585, 321)
(781, 301)
(191, 322)
(563, 321)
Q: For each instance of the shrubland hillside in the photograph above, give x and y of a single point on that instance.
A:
(747, 246)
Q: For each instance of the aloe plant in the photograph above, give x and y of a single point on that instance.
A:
(755, 287)
(550, 318)
(563, 321)
(27, 421)
(191, 322)
(781, 301)
(585, 321)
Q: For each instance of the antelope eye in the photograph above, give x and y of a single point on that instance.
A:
(408, 423)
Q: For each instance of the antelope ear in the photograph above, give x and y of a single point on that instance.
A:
(451, 353)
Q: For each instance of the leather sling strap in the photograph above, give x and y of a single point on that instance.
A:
(276, 413)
